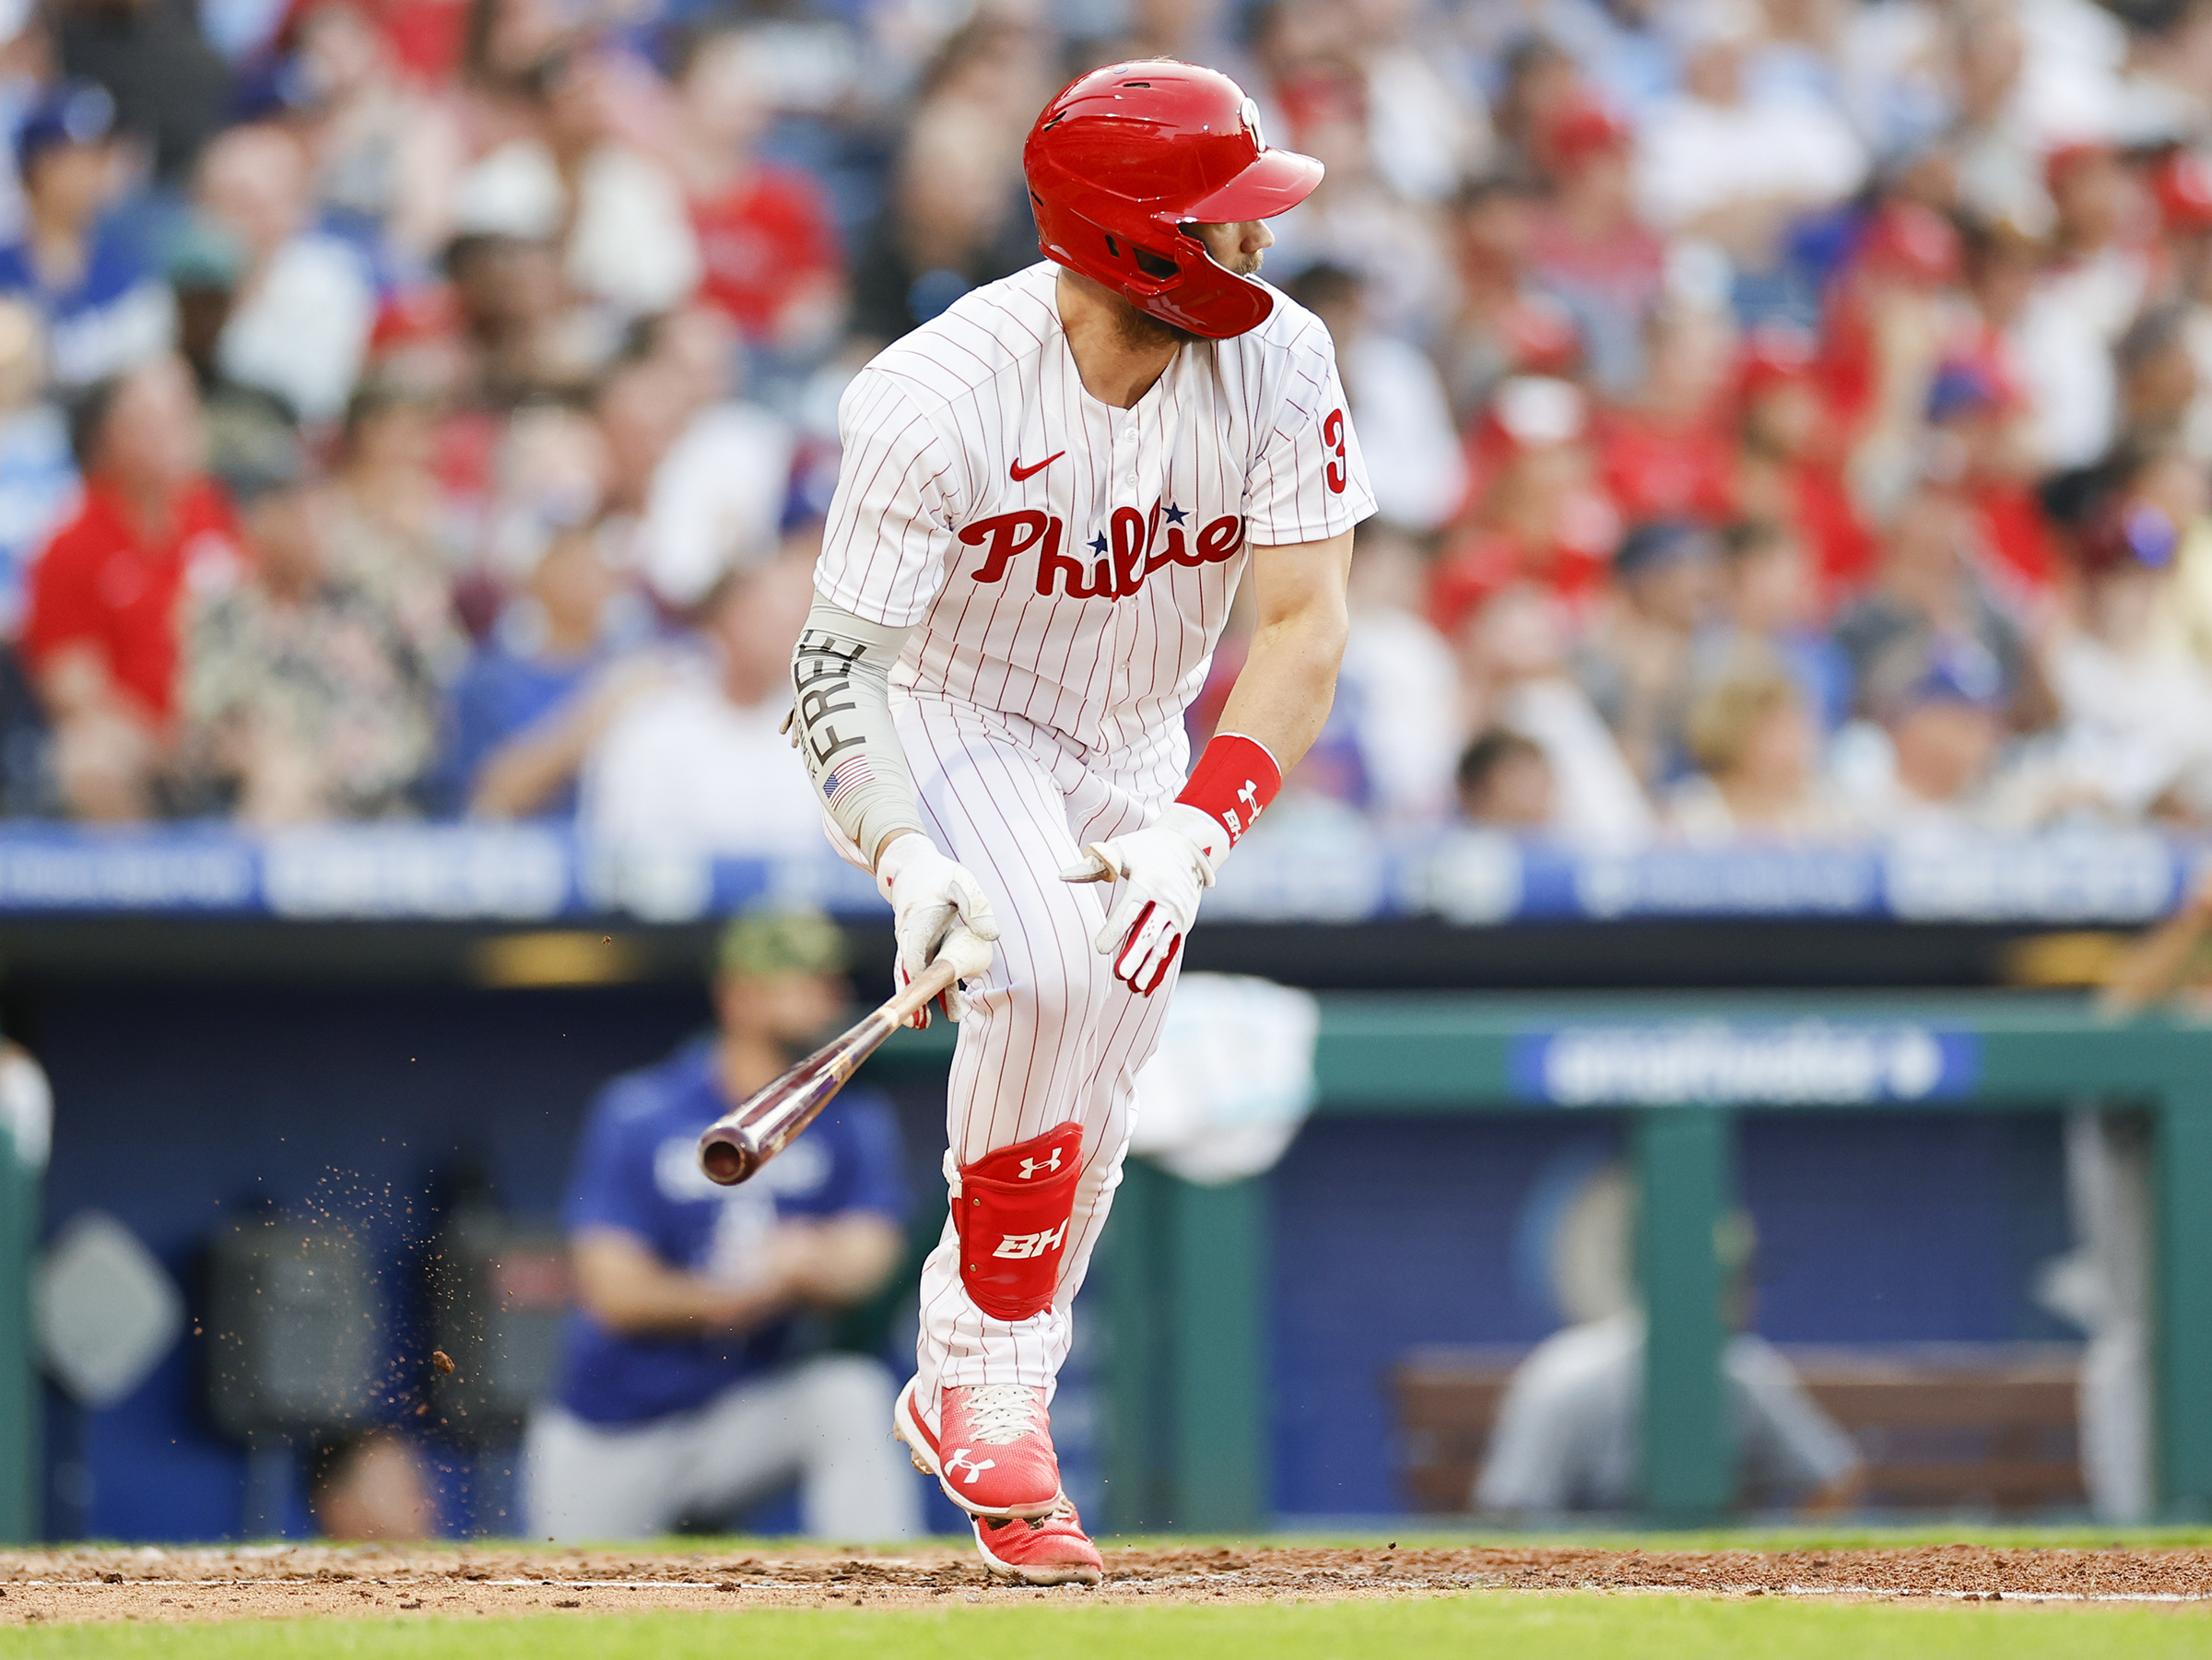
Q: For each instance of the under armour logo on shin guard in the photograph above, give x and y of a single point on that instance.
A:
(1030, 1167)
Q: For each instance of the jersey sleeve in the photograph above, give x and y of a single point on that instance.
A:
(889, 538)
(1308, 482)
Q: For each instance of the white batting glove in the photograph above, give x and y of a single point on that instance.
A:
(1163, 869)
(938, 908)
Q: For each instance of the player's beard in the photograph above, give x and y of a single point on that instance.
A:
(1141, 331)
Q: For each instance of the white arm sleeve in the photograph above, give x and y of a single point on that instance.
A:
(841, 682)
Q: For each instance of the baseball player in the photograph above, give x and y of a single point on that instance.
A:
(1049, 496)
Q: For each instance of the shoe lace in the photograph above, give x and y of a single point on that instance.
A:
(1000, 1414)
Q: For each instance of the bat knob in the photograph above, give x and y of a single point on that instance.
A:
(1096, 866)
(726, 1158)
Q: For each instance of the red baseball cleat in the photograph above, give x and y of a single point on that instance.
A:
(993, 1453)
(1047, 1550)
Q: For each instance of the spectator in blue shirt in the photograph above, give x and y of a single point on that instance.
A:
(532, 699)
(693, 1379)
(105, 309)
(1767, 602)
(37, 473)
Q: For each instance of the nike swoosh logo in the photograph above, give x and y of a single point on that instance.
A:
(1022, 474)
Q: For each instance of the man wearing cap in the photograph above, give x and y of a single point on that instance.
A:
(694, 1378)
(105, 309)
(1932, 770)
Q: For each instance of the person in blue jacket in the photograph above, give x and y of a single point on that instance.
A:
(693, 1379)
(84, 271)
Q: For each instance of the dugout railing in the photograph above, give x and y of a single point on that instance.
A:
(1187, 1266)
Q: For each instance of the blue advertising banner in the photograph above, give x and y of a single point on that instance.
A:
(1793, 1063)
(1310, 868)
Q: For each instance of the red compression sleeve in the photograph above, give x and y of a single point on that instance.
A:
(1233, 782)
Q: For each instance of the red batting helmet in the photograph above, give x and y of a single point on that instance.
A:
(1127, 156)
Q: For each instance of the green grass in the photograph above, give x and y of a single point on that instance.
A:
(1524, 1628)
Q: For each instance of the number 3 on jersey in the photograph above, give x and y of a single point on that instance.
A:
(1332, 437)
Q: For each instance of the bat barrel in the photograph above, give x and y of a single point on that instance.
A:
(727, 1155)
(738, 1144)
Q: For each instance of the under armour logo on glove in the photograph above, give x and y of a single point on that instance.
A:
(961, 1461)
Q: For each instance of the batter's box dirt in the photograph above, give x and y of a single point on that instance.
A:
(292, 1583)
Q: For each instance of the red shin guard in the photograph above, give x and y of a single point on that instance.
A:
(1011, 1213)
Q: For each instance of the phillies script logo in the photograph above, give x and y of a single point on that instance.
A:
(1131, 548)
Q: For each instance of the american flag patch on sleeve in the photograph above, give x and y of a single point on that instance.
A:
(847, 776)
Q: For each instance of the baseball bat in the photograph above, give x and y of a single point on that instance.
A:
(738, 1143)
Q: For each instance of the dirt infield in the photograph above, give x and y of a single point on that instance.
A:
(279, 1582)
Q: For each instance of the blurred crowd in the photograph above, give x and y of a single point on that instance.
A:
(1791, 418)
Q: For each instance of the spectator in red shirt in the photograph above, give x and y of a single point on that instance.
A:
(100, 637)
(1533, 512)
(1666, 455)
(1884, 322)
(1976, 421)
(1789, 467)
(765, 239)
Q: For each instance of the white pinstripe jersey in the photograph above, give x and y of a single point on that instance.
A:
(1059, 558)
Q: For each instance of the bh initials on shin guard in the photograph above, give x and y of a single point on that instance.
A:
(1010, 1209)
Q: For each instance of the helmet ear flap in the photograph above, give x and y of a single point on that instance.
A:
(1135, 270)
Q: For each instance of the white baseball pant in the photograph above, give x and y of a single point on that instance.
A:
(1050, 1035)
(819, 1422)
